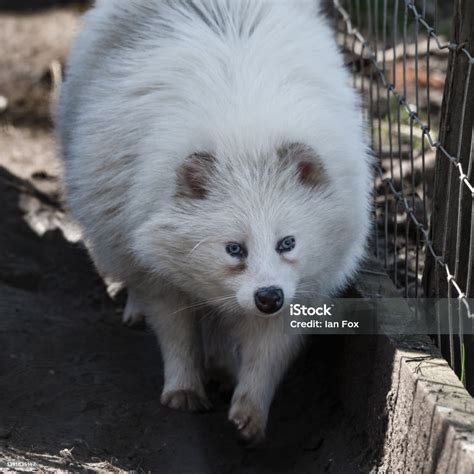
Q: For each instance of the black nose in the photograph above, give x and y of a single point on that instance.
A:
(269, 300)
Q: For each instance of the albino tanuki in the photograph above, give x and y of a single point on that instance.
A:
(215, 157)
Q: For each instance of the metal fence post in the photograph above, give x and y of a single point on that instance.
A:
(451, 220)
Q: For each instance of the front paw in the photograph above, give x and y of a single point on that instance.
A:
(249, 419)
(185, 400)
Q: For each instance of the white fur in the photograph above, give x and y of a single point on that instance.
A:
(151, 82)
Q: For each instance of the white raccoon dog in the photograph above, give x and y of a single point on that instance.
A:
(215, 157)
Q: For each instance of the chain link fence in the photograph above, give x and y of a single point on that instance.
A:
(412, 61)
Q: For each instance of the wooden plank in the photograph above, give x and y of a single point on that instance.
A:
(415, 406)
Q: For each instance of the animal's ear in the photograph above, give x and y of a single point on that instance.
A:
(308, 164)
(194, 176)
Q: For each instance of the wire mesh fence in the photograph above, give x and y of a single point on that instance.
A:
(412, 61)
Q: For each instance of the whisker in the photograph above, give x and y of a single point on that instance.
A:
(196, 247)
(201, 304)
(231, 306)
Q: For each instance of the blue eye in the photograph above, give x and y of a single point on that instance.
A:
(235, 249)
(286, 244)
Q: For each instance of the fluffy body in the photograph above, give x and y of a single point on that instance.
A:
(150, 83)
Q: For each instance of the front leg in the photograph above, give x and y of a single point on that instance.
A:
(266, 352)
(175, 325)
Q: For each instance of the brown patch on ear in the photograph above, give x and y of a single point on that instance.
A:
(194, 175)
(308, 164)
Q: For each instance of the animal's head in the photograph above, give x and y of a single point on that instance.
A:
(248, 234)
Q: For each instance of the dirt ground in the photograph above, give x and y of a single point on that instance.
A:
(79, 392)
